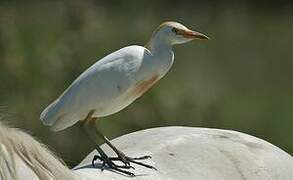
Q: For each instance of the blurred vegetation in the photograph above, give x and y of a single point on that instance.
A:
(240, 80)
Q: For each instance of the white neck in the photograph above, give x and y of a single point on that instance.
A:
(157, 45)
(162, 53)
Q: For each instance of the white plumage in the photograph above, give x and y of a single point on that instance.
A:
(118, 79)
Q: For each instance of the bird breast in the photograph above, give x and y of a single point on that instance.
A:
(141, 87)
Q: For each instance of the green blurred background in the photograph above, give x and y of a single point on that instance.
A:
(240, 80)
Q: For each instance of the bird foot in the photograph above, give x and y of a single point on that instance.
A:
(109, 161)
(127, 160)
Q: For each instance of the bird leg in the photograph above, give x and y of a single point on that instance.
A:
(122, 157)
(90, 128)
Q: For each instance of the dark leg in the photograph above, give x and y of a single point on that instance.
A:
(90, 128)
(121, 156)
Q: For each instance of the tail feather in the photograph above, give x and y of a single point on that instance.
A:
(50, 114)
(62, 122)
(58, 121)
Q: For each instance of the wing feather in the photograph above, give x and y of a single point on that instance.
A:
(104, 81)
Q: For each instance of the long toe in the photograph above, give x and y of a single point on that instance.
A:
(142, 164)
(142, 157)
(124, 172)
(127, 160)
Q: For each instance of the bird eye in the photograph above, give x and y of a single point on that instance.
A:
(175, 30)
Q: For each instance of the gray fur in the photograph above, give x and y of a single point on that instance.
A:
(18, 149)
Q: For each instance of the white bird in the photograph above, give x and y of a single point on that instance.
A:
(114, 82)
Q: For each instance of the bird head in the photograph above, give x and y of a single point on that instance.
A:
(176, 33)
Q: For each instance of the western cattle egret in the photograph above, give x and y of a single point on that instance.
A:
(113, 83)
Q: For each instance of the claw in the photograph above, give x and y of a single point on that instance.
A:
(95, 158)
(93, 162)
(103, 166)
